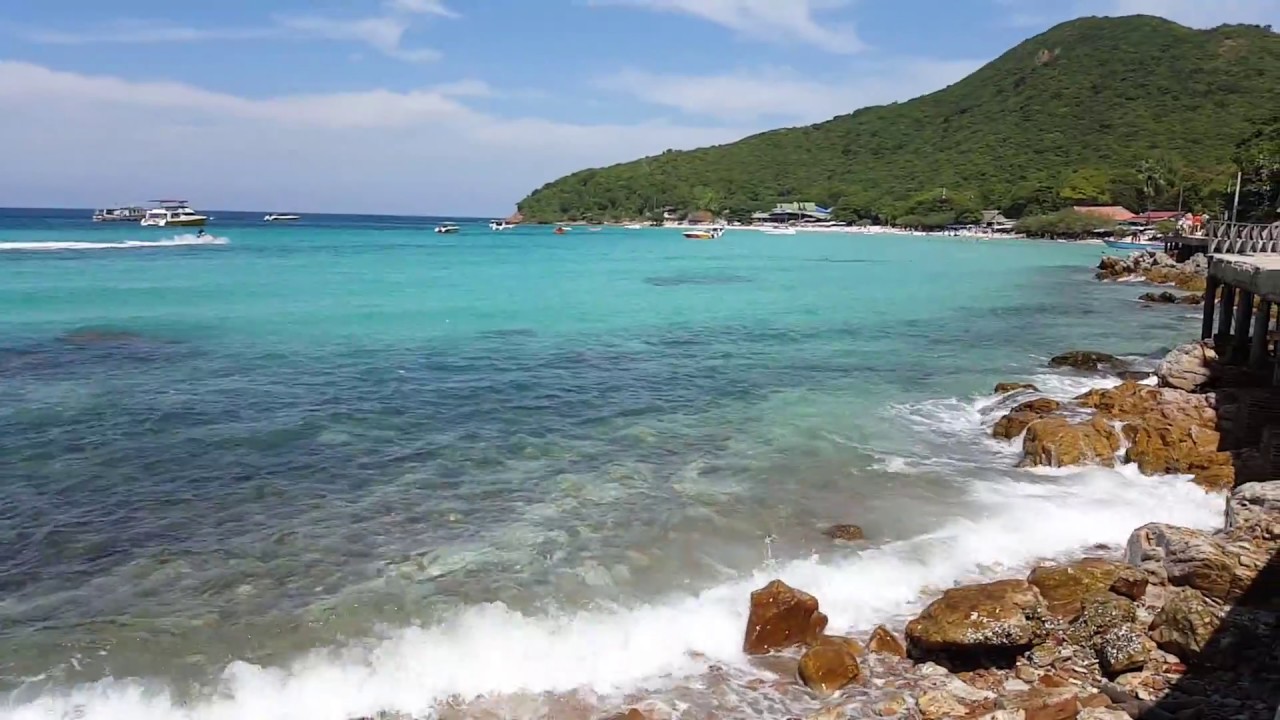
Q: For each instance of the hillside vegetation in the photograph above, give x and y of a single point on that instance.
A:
(1134, 111)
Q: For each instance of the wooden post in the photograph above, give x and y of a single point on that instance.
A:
(1226, 308)
(1258, 342)
(1210, 300)
(1240, 333)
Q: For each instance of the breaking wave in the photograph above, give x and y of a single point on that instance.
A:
(178, 241)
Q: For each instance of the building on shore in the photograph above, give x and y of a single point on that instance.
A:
(802, 212)
(1114, 213)
(994, 221)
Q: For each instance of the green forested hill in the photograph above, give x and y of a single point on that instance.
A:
(1128, 111)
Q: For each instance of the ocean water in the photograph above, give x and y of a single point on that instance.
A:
(323, 470)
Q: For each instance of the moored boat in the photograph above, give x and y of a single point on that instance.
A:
(1134, 244)
(172, 213)
(704, 234)
(276, 217)
(129, 213)
(561, 230)
(500, 225)
(447, 228)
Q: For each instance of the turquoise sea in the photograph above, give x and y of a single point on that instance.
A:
(322, 470)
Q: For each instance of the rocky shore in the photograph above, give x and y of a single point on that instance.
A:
(1181, 624)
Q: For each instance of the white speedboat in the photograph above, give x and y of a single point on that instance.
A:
(704, 234)
(173, 213)
(447, 228)
(131, 213)
(275, 217)
(780, 231)
(632, 227)
(499, 225)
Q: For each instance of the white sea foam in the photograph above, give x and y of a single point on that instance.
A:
(490, 650)
(178, 241)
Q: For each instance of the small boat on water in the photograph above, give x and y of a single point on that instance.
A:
(780, 231)
(172, 213)
(633, 227)
(594, 229)
(275, 217)
(561, 230)
(129, 213)
(1134, 244)
(447, 228)
(499, 225)
(707, 234)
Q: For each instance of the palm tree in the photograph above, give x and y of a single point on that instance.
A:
(1152, 173)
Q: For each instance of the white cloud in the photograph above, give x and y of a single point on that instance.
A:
(71, 139)
(384, 32)
(775, 20)
(422, 7)
(784, 94)
(1192, 13)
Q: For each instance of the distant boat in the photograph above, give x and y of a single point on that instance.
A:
(780, 231)
(447, 228)
(562, 230)
(708, 234)
(274, 217)
(499, 225)
(131, 213)
(632, 227)
(594, 229)
(1117, 244)
(172, 213)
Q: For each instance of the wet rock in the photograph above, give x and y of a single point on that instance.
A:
(885, 642)
(1180, 446)
(1016, 420)
(1178, 277)
(844, 532)
(974, 624)
(1164, 298)
(1056, 442)
(1088, 360)
(632, 714)
(1187, 367)
(782, 617)
(1005, 388)
(1186, 624)
(829, 666)
(1064, 586)
(892, 706)
(1044, 703)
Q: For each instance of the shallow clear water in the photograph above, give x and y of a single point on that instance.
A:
(287, 471)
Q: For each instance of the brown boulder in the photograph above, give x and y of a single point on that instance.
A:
(1160, 446)
(1005, 388)
(782, 617)
(1187, 558)
(844, 532)
(1012, 424)
(829, 666)
(1122, 649)
(1089, 360)
(632, 714)
(1064, 587)
(883, 641)
(1186, 624)
(973, 621)
(1164, 298)
(1182, 279)
(1056, 442)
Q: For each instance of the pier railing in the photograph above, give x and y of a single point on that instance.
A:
(1235, 237)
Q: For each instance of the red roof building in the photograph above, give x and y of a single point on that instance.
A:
(1110, 212)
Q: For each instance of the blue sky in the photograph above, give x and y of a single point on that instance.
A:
(457, 106)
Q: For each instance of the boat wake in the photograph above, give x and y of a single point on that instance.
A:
(178, 241)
